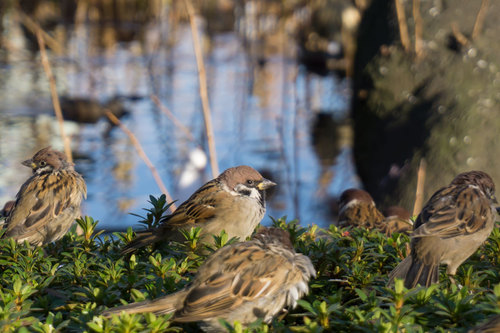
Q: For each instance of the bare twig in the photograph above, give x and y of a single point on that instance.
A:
(36, 29)
(419, 195)
(459, 36)
(143, 156)
(171, 116)
(202, 77)
(81, 12)
(53, 92)
(478, 26)
(403, 27)
(418, 29)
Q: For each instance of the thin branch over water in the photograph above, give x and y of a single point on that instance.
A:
(143, 156)
(53, 92)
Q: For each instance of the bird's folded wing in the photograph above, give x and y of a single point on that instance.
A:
(42, 201)
(454, 211)
(248, 273)
(199, 208)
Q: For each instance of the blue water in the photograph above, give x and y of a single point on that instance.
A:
(262, 116)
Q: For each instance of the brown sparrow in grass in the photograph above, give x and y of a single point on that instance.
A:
(48, 202)
(456, 220)
(234, 202)
(357, 209)
(397, 219)
(243, 281)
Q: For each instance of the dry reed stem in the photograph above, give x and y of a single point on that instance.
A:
(419, 195)
(202, 77)
(478, 25)
(418, 29)
(143, 156)
(403, 27)
(35, 29)
(53, 92)
(459, 36)
(171, 116)
(81, 12)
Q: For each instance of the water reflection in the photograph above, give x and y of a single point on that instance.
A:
(265, 114)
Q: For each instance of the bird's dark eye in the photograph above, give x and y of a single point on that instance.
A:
(250, 182)
(43, 163)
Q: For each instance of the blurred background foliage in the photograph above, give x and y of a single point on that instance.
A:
(277, 89)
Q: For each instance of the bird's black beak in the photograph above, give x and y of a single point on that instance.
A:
(29, 164)
(494, 199)
(265, 184)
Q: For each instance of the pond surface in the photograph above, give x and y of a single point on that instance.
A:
(270, 114)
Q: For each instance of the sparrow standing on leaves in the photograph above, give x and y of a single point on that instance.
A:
(397, 219)
(48, 202)
(244, 281)
(234, 202)
(358, 209)
(456, 220)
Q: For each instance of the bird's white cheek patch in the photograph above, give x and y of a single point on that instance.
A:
(250, 192)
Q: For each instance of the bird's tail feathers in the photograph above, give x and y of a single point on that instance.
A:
(421, 273)
(401, 270)
(162, 305)
(415, 272)
(142, 238)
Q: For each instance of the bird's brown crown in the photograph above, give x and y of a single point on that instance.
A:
(48, 157)
(240, 175)
(397, 211)
(354, 194)
(268, 235)
(478, 178)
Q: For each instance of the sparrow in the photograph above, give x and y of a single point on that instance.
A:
(357, 209)
(244, 281)
(48, 202)
(234, 202)
(455, 221)
(397, 219)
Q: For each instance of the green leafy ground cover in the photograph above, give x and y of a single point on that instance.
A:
(65, 285)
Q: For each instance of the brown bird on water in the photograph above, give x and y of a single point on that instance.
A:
(48, 202)
(234, 202)
(456, 220)
(244, 281)
(357, 209)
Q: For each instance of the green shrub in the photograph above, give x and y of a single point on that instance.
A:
(66, 285)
